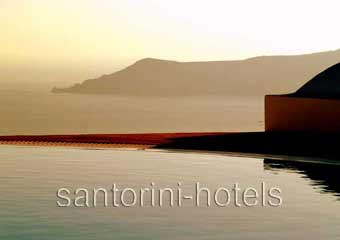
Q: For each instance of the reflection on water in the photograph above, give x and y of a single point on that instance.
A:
(324, 176)
(30, 177)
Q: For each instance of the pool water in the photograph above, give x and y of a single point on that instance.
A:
(30, 178)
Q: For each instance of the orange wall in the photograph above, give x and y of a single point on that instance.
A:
(291, 114)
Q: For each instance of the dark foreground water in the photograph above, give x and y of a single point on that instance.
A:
(30, 178)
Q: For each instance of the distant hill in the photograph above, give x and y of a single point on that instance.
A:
(253, 76)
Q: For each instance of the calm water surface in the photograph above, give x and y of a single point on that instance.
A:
(33, 109)
(30, 177)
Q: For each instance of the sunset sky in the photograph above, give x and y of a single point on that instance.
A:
(107, 31)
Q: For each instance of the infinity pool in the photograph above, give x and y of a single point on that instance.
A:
(31, 177)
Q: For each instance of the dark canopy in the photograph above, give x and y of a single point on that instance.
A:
(324, 85)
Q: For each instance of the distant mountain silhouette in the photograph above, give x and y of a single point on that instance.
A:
(253, 76)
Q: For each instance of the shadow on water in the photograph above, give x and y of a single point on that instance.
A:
(324, 176)
(325, 146)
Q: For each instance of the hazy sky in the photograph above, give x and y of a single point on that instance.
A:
(108, 31)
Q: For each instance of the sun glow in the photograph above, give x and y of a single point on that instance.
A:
(44, 31)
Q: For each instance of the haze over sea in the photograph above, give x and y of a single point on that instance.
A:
(32, 109)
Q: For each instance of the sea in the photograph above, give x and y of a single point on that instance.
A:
(28, 108)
